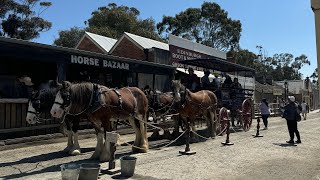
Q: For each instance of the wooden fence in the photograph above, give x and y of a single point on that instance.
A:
(13, 123)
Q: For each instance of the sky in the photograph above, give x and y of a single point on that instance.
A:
(279, 26)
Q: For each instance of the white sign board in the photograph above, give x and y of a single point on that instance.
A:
(112, 137)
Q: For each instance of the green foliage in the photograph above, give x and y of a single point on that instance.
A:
(69, 38)
(279, 66)
(208, 25)
(19, 19)
(112, 21)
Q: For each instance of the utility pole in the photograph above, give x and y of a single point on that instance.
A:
(315, 6)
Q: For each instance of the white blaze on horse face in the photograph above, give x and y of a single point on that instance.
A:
(176, 86)
(56, 110)
(31, 118)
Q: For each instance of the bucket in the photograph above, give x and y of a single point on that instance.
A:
(128, 164)
(89, 171)
(70, 171)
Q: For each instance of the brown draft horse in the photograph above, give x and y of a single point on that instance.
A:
(104, 107)
(162, 105)
(202, 103)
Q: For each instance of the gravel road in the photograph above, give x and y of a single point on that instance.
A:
(268, 157)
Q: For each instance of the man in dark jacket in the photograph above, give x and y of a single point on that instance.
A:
(290, 114)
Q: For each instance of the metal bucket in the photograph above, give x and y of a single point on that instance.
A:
(128, 164)
(89, 171)
(70, 171)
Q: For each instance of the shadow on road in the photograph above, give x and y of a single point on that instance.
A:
(43, 157)
(285, 144)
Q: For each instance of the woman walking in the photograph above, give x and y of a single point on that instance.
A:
(265, 112)
(292, 116)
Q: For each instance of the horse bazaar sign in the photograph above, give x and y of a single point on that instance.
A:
(96, 62)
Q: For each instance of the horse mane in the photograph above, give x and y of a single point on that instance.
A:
(80, 96)
(47, 97)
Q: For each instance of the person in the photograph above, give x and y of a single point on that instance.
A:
(227, 82)
(265, 112)
(205, 79)
(282, 104)
(192, 81)
(236, 84)
(304, 110)
(292, 116)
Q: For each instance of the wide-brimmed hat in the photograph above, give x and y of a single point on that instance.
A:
(26, 80)
(291, 98)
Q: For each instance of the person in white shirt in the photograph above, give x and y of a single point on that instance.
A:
(304, 110)
(265, 112)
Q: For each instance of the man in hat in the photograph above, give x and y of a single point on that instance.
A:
(291, 114)
(205, 79)
(192, 80)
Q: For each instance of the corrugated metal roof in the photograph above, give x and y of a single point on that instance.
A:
(147, 43)
(104, 42)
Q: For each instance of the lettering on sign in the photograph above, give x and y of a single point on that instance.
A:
(115, 65)
(96, 62)
(84, 60)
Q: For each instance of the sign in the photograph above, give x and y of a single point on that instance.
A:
(277, 92)
(181, 54)
(112, 137)
(98, 62)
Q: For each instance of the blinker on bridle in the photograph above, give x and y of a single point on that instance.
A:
(66, 100)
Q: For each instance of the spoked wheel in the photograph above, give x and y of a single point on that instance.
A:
(223, 121)
(247, 114)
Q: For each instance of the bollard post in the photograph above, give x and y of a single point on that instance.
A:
(112, 138)
(187, 149)
(112, 162)
(258, 129)
(227, 143)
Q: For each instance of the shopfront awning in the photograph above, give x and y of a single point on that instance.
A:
(198, 73)
(219, 65)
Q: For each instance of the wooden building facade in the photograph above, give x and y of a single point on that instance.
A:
(44, 62)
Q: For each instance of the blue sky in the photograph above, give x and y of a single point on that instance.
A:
(279, 26)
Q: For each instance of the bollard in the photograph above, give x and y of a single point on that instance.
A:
(112, 162)
(187, 149)
(227, 143)
(258, 128)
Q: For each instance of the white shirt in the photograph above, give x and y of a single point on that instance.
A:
(304, 106)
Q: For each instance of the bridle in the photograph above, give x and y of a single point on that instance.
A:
(66, 100)
(66, 97)
(36, 104)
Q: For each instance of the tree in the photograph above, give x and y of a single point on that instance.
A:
(208, 25)
(112, 21)
(314, 76)
(69, 38)
(21, 19)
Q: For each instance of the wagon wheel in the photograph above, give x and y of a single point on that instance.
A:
(246, 114)
(222, 121)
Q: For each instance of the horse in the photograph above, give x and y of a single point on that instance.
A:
(193, 105)
(40, 102)
(160, 105)
(103, 107)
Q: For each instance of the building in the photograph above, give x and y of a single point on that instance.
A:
(44, 62)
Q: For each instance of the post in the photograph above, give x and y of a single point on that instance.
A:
(227, 143)
(258, 128)
(112, 162)
(187, 149)
(315, 6)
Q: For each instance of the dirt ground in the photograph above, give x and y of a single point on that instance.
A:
(269, 157)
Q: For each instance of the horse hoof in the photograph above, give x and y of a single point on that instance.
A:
(104, 159)
(66, 150)
(139, 150)
(94, 157)
(75, 152)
